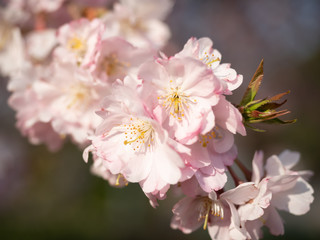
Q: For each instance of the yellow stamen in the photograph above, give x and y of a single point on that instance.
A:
(139, 134)
(111, 65)
(118, 180)
(79, 47)
(175, 101)
(206, 220)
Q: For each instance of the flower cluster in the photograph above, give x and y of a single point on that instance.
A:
(239, 213)
(91, 73)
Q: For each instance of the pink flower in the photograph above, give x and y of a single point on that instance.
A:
(71, 97)
(30, 106)
(181, 92)
(209, 158)
(216, 150)
(228, 117)
(118, 58)
(202, 49)
(213, 177)
(134, 144)
(79, 42)
(255, 207)
(218, 213)
(98, 168)
(290, 192)
(157, 195)
(12, 53)
(46, 39)
(137, 24)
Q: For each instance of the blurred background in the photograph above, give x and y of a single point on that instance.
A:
(47, 195)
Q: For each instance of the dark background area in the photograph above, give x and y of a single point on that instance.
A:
(47, 195)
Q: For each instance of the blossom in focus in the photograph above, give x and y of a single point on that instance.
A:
(181, 92)
(290, 191)
(213, 211)
(254, 208)
(202, 49)
(134, 144)
(210, 156)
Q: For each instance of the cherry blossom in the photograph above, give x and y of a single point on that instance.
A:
(202, 49)
(118, 58)
(137, 24)
(134, 144)
(215, 212)
(181, 91)
(290, 192)
(91, 73)
(79, 42)
(12, 55)
(71, 98)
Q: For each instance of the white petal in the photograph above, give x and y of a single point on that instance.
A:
(289, 158)
(274, 221)
(241, 194)
(257, 167)
(274, 166)
(296, 200)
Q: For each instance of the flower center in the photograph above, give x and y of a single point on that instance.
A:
(213, 207)
(120, 178)
(209, 59)
(175, 101)
(139, 134)
(78, 95)
(111, 65)
(213, 134)
(130, 25)
(78, 46)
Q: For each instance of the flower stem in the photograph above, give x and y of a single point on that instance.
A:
(247, 173)
(236, 180)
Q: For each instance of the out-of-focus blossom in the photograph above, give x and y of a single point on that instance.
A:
(135, 24)
(44, 5)
(15, 12)
(79, 42)
(118, 58)
(148, 9)
(71, 97)
(29, 106)
(12, 50)
(46, 39)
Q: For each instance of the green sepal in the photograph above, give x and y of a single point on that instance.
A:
(253, 86)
